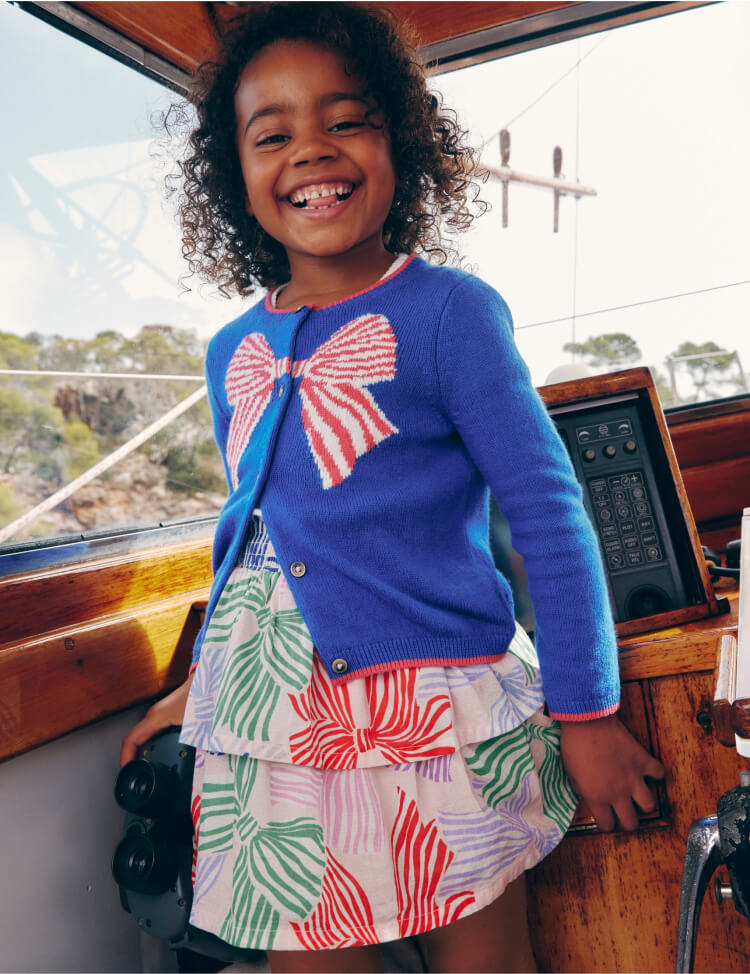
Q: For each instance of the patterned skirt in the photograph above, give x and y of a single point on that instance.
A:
(335, 816)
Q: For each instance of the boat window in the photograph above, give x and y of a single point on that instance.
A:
(632, 142)
(101, 347)
(653, 269)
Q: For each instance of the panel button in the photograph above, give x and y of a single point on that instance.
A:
(653, 554)
(589, 455)
(635, 558)
(630, 446)
(610, 451)
(339, 666)
(298, 568)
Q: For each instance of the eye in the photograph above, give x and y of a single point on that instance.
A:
(346, 126)
(278, 138)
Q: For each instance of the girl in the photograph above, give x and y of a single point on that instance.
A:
(374, 757)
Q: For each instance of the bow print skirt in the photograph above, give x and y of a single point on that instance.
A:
(335, 816)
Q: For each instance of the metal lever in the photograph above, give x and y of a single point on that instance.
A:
(702, 856)
(721, 838)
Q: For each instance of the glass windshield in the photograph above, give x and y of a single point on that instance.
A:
(655, 268)
(103, 418)
(95, 319)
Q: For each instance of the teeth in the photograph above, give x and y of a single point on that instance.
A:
(321, 189)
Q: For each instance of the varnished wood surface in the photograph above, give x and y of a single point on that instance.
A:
(712, 451)
(70, 595)
(68, 678)
(610, 902)
(185, 34)
(83, 641)
(181, 33)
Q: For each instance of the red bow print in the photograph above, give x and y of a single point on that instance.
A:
(341, 419)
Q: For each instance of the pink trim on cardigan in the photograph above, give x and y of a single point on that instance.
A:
(411, 663)
(350, 297)
(591, 716)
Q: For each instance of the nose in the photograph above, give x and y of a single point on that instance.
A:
(314, 147)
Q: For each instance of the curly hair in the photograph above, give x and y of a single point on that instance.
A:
(433, 163)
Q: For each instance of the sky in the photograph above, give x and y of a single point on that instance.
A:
(653, 116)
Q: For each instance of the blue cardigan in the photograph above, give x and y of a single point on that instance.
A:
(371, 431)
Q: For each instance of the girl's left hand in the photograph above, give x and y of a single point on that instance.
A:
(608, 767)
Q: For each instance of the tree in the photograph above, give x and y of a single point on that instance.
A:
(610, 350)
(707, 365)
(29, 431)
(16, 352)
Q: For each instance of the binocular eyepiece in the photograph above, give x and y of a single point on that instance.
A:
(146, 788)
(145, 863)
(154, 791)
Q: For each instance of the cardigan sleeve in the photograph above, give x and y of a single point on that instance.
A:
(488, 395)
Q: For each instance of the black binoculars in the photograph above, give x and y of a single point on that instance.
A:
(152, 862)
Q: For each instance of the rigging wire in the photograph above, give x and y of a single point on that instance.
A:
(544, 94)
(577, 198)
(633, 304)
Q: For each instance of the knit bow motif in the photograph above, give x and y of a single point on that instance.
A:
(341, 418)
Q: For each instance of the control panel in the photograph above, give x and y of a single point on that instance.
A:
(612, 458)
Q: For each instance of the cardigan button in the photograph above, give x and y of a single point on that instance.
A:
(298, 568)
(339, 666)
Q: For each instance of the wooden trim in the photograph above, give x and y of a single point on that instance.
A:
(725, 675)
(63, 680)
(86, 640)
(181, 33)
(433, 23)
(684, 653)
(74, 594)
(185, 34)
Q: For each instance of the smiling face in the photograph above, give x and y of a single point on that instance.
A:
(315, 160)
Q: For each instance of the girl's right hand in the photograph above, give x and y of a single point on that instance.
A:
(167, 712)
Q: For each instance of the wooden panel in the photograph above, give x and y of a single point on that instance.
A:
(84, 640)
(181, 33)
(433, 22)
(609, 902)
(703, 441)
(74, 594)
(720, 489)
(186, 33)
(666, 657)
(61, 681)
(635, 714)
